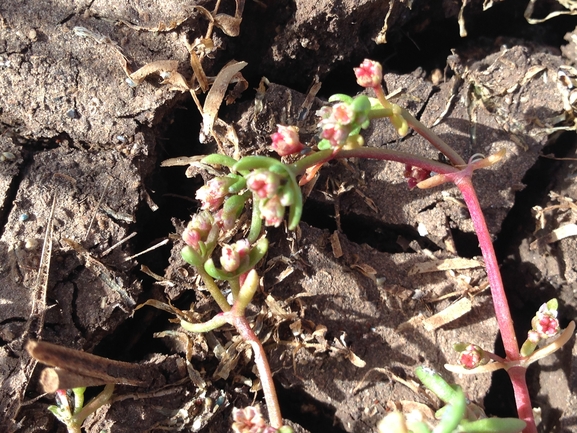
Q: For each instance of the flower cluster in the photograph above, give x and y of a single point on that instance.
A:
(414, 175)
(250, 420)
(544, 325)
(369, 74)
(342, 122)
(471, 355)
(273, 194)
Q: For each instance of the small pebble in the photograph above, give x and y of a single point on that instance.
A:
(73, 114)
(30, 244)
(23, 217)
(7, 156)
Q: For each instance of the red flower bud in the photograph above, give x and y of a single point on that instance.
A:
(263, 183)
(212, 194)
(415, 175)
(286, 140)
(472, 357)
(272, 211)
(198, 229)
(369, 73)
(232, 255)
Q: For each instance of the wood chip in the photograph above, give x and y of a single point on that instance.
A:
(448, 315)
(445, 265)
(336, 245)
(556, 235)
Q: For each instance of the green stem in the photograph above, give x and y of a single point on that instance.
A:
(234, 287)
(432, 138)
(213, 289)
(422, 130)
(301, 165)
(96, 403)
(78, 399)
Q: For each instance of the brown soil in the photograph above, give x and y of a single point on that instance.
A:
(73, 131)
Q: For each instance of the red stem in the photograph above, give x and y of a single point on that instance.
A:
(465, 185)
(522, 399)
(502, 312)
(245, 331)
(462, 178)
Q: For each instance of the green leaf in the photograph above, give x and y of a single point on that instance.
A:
(214, 323)
(361, 104)
(253, 162)
(217, 159)
(493, 425)
(234, 204)
(453, 413)
(324, 144)
(238, 186)
(434, 382)
(191, 257)
(341, 97)
(419, 427)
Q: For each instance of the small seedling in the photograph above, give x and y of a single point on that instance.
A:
(458, 414)
(273, 186)
(265, 187)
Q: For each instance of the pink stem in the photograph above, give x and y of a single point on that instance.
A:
(462, 178)
(522, 399)
(245, 331)
(504, 319)
(502, 312)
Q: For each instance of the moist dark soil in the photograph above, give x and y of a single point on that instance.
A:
(77, 139)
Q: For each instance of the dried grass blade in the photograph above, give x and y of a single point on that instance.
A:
(36, 320)
(216, 95)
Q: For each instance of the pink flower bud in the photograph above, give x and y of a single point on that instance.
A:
(286, 140)
(243, 247)
(248, 420)
(272, 211)
(191, 237)
(263, 183)
(335, 133)
(547, 326)
(198, 229)
(343, 114)
(212, 194)
(545, 322)
(472, 357)
(232, 255)
(229, 259)
(369, 73)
